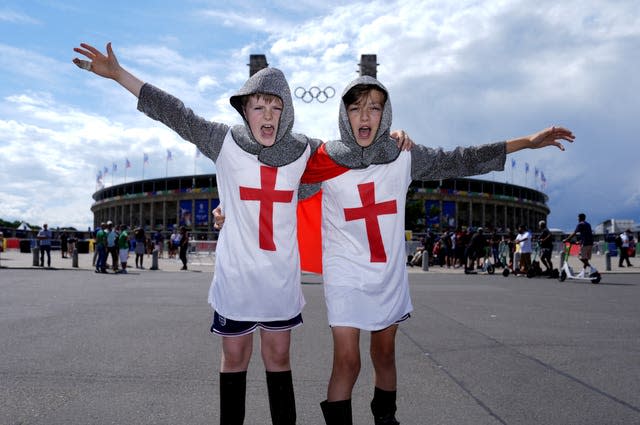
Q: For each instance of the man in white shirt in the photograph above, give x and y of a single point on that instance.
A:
(524, 241)
(624, 249)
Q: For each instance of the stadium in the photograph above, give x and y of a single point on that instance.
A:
(164, 203)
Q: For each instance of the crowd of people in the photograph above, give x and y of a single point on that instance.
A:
(115, 243)
(467, 248)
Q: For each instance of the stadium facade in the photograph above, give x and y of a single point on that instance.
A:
(188, 200)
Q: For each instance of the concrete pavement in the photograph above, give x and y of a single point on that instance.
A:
(85, 348)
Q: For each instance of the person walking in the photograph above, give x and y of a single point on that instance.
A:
(141, 241)
(625, 238)
(44, 241)
(183, 246)
(64, 244)
(546, 246)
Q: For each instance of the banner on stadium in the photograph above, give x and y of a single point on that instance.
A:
(449, 213)
(202, 212)
(186, 213)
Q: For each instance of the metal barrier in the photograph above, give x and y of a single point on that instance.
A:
(202, 253)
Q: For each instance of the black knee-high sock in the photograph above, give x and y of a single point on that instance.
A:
(282, 402)
(383, 405)
(233, 390)
(337, 412)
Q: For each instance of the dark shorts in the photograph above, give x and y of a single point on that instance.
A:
(228, 327)
(545, 253)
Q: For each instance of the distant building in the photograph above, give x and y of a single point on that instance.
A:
(616, 226)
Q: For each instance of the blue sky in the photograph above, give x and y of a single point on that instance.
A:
(459, 73)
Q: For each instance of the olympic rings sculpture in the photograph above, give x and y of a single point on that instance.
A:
(314, 92)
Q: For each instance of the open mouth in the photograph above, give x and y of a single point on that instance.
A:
(364, 132)
(268, 130)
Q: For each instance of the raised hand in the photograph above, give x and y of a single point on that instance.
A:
(550, 137)
(105, 66)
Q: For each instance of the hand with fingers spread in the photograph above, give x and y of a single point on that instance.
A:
(548, 137)
(106, 66)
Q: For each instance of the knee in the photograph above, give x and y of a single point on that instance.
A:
(276, 357)
(383, 357)
(235, 360)
(347, 364)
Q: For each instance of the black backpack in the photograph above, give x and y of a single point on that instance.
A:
(618, 241)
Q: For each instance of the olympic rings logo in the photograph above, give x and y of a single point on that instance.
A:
(314, 92)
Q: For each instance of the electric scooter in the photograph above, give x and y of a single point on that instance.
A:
(487, 266)
(566, 271)
(535, 269)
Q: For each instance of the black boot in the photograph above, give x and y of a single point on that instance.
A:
(233, 390)
(282, 402)
(337, 412)
(383, 407)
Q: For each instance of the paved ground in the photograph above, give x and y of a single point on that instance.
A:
(83, 348)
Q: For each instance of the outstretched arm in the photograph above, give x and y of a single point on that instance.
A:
(206, 135)
(107, 67)
(547, 137)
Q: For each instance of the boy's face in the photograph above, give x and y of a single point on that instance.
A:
(263, 117)
(365, 115)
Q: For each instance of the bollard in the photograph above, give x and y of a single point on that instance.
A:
(36, 253)
(607, 261)
(425, 260)
(154, 260)
(74, 258)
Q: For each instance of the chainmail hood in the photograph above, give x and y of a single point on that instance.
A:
(347, 152)
(288, 147)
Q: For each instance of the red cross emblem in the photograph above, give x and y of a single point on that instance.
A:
(266, 195)
(369, 212)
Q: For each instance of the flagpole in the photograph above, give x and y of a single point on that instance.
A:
(143, 164)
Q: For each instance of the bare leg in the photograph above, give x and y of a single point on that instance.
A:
(346, 363)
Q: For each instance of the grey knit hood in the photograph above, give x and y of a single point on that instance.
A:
(287, 147)
(347, 152)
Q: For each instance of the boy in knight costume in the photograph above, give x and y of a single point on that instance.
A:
(259, 165)
(364, 180)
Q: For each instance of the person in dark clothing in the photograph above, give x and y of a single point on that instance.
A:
(64, 244)
(183, 246)
(475, 248)
(546, 246)
(583, 229)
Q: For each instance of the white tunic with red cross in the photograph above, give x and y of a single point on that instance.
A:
(363, 246)
(257, 270)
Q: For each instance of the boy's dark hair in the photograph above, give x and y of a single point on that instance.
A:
(581, 217)
(267, 97)
(356, 92)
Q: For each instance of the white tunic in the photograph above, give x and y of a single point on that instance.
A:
(375, 294)
(257, 270)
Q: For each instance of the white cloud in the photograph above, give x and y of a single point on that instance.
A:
(16, 17)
